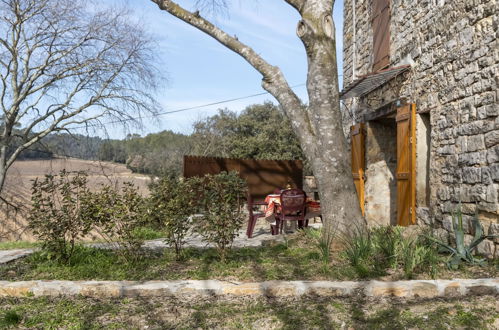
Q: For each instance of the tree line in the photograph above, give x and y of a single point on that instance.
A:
(260, 131)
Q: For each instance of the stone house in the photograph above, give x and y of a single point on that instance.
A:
(420, 102)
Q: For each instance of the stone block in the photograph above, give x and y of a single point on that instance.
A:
(491, 138)
(443, 193)
(101, 289)
(391, 289)
(492, 193)
(486, 249)
(197, 288)
(494, 230)
(442, 235)
(328, 289)
(453, 289)
(486, 176)
(56, 288)
(475, 127)
(279, 289)
(148, 289)
(424, 290)
(472, 158)
(475, 143)
(423, 215)
(494, 172)
(481, 290)
(243, 289)
(16, 289)
(472, 174)
(493, 155)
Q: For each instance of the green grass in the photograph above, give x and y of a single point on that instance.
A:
(251, 264)
(263, 313)
(11, 245)
(301, 258)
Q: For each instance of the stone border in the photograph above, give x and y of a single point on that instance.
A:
(214, 288)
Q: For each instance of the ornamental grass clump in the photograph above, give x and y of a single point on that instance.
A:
(56, 216)
(376, 251)
(221, 201)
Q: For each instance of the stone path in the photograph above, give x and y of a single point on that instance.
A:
(9, 255)
(261, 237)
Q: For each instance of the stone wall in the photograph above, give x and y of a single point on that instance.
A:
(453, 50)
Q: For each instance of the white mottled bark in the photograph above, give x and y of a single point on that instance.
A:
(319, 125)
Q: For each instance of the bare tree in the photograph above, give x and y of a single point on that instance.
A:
(67, 64)
(319, 125)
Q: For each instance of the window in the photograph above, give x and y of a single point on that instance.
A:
(381, 34)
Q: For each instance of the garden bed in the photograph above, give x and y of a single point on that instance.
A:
(298, 259)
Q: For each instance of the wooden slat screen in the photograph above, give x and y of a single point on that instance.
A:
(406, 165)
(262, 176)
(381, 34)
(358, 160)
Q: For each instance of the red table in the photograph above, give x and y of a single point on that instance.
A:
(273, 202)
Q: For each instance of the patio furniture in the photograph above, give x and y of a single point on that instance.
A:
(293, 203)
(253, 216)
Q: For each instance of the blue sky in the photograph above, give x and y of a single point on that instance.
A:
(201, 71)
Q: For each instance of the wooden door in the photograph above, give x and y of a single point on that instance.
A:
(357, 137)
(406, 165)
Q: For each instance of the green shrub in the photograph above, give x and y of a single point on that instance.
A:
(172, 202)
(56, 215)
(117, 215)
(222, 202)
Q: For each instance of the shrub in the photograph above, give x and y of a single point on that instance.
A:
(222, 204)
(56, 216)
(117, 216)
(172, 202)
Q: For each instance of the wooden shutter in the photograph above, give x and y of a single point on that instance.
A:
(381, 34)
(406, 165)
(358, 160)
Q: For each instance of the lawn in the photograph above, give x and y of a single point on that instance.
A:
(262, 313)
(298, 259)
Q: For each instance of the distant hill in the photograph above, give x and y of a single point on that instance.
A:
(260, 131)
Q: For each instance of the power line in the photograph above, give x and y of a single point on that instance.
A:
(183, 109)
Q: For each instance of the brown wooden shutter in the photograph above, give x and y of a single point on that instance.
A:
(358, 160)
(381, 34)
(406, 165)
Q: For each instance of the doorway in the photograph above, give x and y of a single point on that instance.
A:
(381, 164)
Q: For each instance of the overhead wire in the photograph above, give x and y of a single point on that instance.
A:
(162, 113)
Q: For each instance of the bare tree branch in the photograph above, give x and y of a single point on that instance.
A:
(319, 124)
(65, 63)
(297, 4)
(273, 79)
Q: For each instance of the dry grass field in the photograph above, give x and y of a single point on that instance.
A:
(21, 175)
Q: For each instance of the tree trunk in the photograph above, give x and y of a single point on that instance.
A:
(330, 159)
(319, 126)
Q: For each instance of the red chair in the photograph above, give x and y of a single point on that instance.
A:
(293, 207)
(253, 216)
